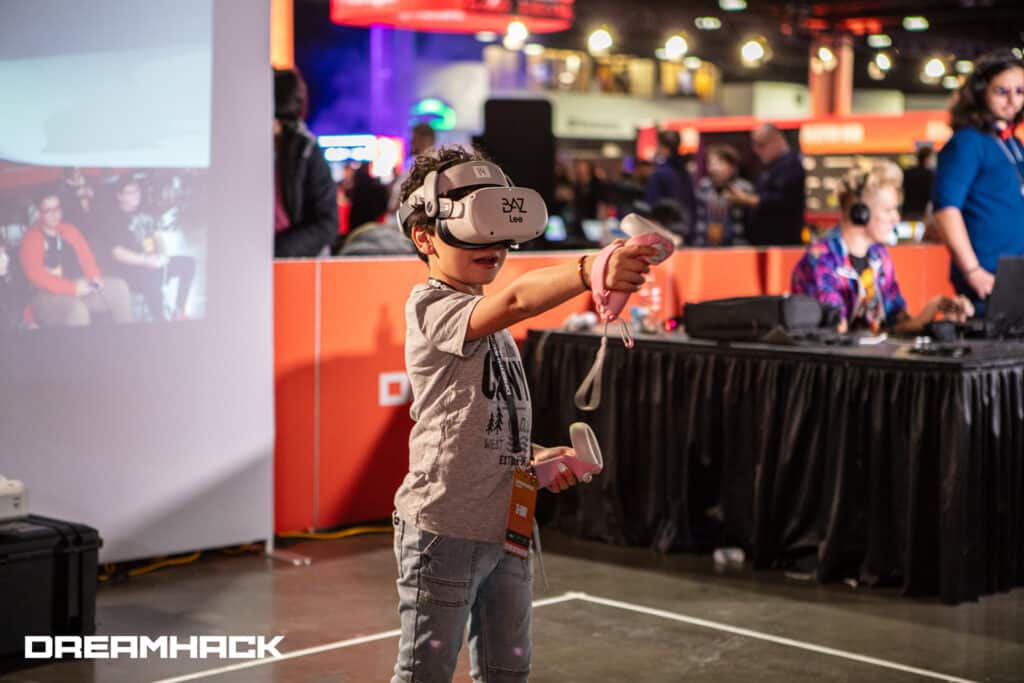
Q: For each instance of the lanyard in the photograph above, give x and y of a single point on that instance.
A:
(1014, 156)
(504, 384)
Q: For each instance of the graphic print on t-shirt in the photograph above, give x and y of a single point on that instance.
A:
(498, 439)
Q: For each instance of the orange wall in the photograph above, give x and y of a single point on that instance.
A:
(342, 411)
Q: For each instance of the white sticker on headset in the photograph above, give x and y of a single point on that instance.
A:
(482, 171)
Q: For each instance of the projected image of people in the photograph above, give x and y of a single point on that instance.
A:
(100, 246)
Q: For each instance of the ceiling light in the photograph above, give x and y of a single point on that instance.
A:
(487, 36)
(517, 31)
(733, 5)
(883, 61)
(950, 82)
(599, 41)
(533, 49)
(752, 52)
(915, 23)
(879, 40)
(826, 55)
(964, 66)
(708, 23)
(676, 47)
(934, 68)
(692, 62)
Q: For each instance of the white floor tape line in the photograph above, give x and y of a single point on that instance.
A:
(675, 616)
(351, 642)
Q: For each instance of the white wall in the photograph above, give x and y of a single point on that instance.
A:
(878, 102)
(161, 435)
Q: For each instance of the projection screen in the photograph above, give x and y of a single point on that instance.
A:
(136, 268)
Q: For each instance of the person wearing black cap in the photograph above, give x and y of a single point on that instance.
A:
(305, 199)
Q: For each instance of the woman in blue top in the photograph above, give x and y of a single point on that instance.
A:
(979, 182)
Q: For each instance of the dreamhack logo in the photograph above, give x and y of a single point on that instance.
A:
(144, 647)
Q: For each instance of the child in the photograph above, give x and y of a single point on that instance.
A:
(472, 411)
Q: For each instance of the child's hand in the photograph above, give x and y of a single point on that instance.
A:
(627, 266)
(565, 478)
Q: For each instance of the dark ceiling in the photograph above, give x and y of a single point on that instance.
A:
(958, 28)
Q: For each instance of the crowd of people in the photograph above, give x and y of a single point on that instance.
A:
(86, 256)
(973, 197)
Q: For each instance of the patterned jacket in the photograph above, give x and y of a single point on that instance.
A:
(826, 273)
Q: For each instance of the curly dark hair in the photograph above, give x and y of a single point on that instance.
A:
(434, 160)
(969, 108)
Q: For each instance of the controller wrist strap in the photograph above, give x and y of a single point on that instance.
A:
(592, 382)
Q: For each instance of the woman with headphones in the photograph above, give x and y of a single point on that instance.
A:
(850, 268)
(979, 183)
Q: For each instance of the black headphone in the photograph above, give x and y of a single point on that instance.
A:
(859, 212)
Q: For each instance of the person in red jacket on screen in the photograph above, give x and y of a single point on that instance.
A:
(59, 265)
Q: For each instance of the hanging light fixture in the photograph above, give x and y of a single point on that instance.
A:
(600, 41)
(676, 48)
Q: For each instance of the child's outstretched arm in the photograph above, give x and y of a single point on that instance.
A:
(540, 290)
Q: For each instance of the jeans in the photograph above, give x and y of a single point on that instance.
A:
(445, 582)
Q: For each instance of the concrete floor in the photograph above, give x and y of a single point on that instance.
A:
(631, 615)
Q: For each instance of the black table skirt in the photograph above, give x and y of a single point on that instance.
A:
(909, 470)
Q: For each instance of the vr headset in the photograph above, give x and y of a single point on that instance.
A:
(496, 214)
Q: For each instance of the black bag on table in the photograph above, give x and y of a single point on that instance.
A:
(757, 318)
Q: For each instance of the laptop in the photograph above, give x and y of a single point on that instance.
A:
(1004, 315)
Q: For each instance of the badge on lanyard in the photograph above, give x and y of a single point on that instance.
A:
(520, 513)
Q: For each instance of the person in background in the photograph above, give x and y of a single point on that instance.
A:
(851, 270)
(305, 199)
(917, 185)
(589, 194)
(670, 186)
(720, 223)
(78, 200)
(370, 236)
(69, 287)
(132, 249)
(978, 197)
(421, 140)
(9, 294)
(778, 197)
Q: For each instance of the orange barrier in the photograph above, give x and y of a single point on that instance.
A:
(342, 397)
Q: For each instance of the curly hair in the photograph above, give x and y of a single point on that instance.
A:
(435, 160)
(969, 108)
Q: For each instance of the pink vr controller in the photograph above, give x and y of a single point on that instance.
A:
(584, 465)
(610, 302)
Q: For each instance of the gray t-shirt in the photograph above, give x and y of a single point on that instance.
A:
(460, 450)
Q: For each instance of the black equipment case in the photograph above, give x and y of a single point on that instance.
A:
(753, 318)
(47, 582)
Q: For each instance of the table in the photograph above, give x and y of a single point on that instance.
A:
(909, 468)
